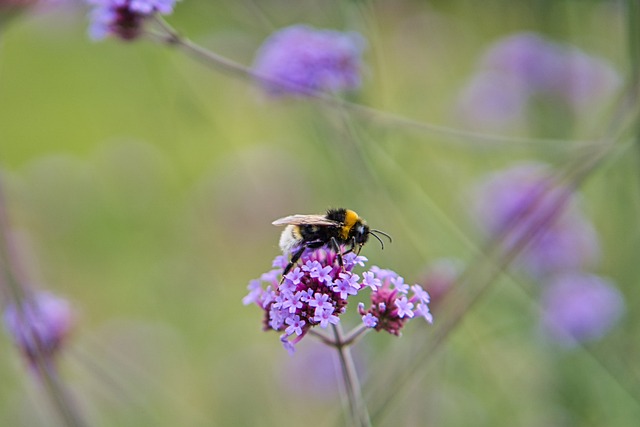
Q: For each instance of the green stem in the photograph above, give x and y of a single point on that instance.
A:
(357, 408)
(171, 37)
(13, 283)
(633, 39)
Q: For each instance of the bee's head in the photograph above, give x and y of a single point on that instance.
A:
(361, 231)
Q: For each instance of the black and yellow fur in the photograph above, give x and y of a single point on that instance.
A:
(337, 228)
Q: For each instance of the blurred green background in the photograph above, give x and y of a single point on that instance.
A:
(141, 186)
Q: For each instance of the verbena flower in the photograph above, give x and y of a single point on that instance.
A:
(489, 101)
(124, 18)
(559, 70)
(300, 59)
(316, 291)
(579, 307)
(525, 66)
(519, 204)
(41, 323)
(527, 57)
(391, 305)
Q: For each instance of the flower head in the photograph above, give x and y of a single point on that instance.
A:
(527, 57)
(580, 307)
(39, 325)
(316, 294)
(391, 307)
(527, 66)
(124, 18)
(523, 206)
(300, 59)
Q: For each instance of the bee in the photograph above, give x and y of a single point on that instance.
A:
(337, 227)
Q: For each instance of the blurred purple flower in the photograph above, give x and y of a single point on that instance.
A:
(527, 57)
(490, 102)
(517, 203)
(300, 59)
(585, 82)
(523, 65)
(41, 323)
(124, 18)
(316, 295)
(580, 307)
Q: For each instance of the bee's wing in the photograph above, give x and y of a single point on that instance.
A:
(304, 220)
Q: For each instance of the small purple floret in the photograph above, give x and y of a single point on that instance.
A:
(124, 18)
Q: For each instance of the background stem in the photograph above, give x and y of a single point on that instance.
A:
(15, 290)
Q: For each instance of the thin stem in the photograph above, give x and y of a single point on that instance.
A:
(355, 334)
(358, 410)
(12, 281)
(322, 337)
(172, 37)
(496, 257)
(633, 37)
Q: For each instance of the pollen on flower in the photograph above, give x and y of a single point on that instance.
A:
(316, 292)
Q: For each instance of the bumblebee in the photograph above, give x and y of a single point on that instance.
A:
(337, 228)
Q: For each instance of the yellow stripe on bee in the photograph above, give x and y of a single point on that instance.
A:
(350, 219)
(295, 232)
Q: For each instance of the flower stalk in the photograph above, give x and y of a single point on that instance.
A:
(357, 406)
(314, 294)
(17, 293)
(169, 36)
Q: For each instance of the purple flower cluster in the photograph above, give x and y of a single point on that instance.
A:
(300, 59)
(578, 307)
(519, 205)
(516, 203)
(124, 18)
(41, 323)
(391, 305)
(315, 293)
(525, 66)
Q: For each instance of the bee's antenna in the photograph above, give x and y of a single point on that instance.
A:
(383, 233)
(373, 232)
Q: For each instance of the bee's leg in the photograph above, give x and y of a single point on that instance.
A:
(336, 247)
(294, 258)
(352, 248)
